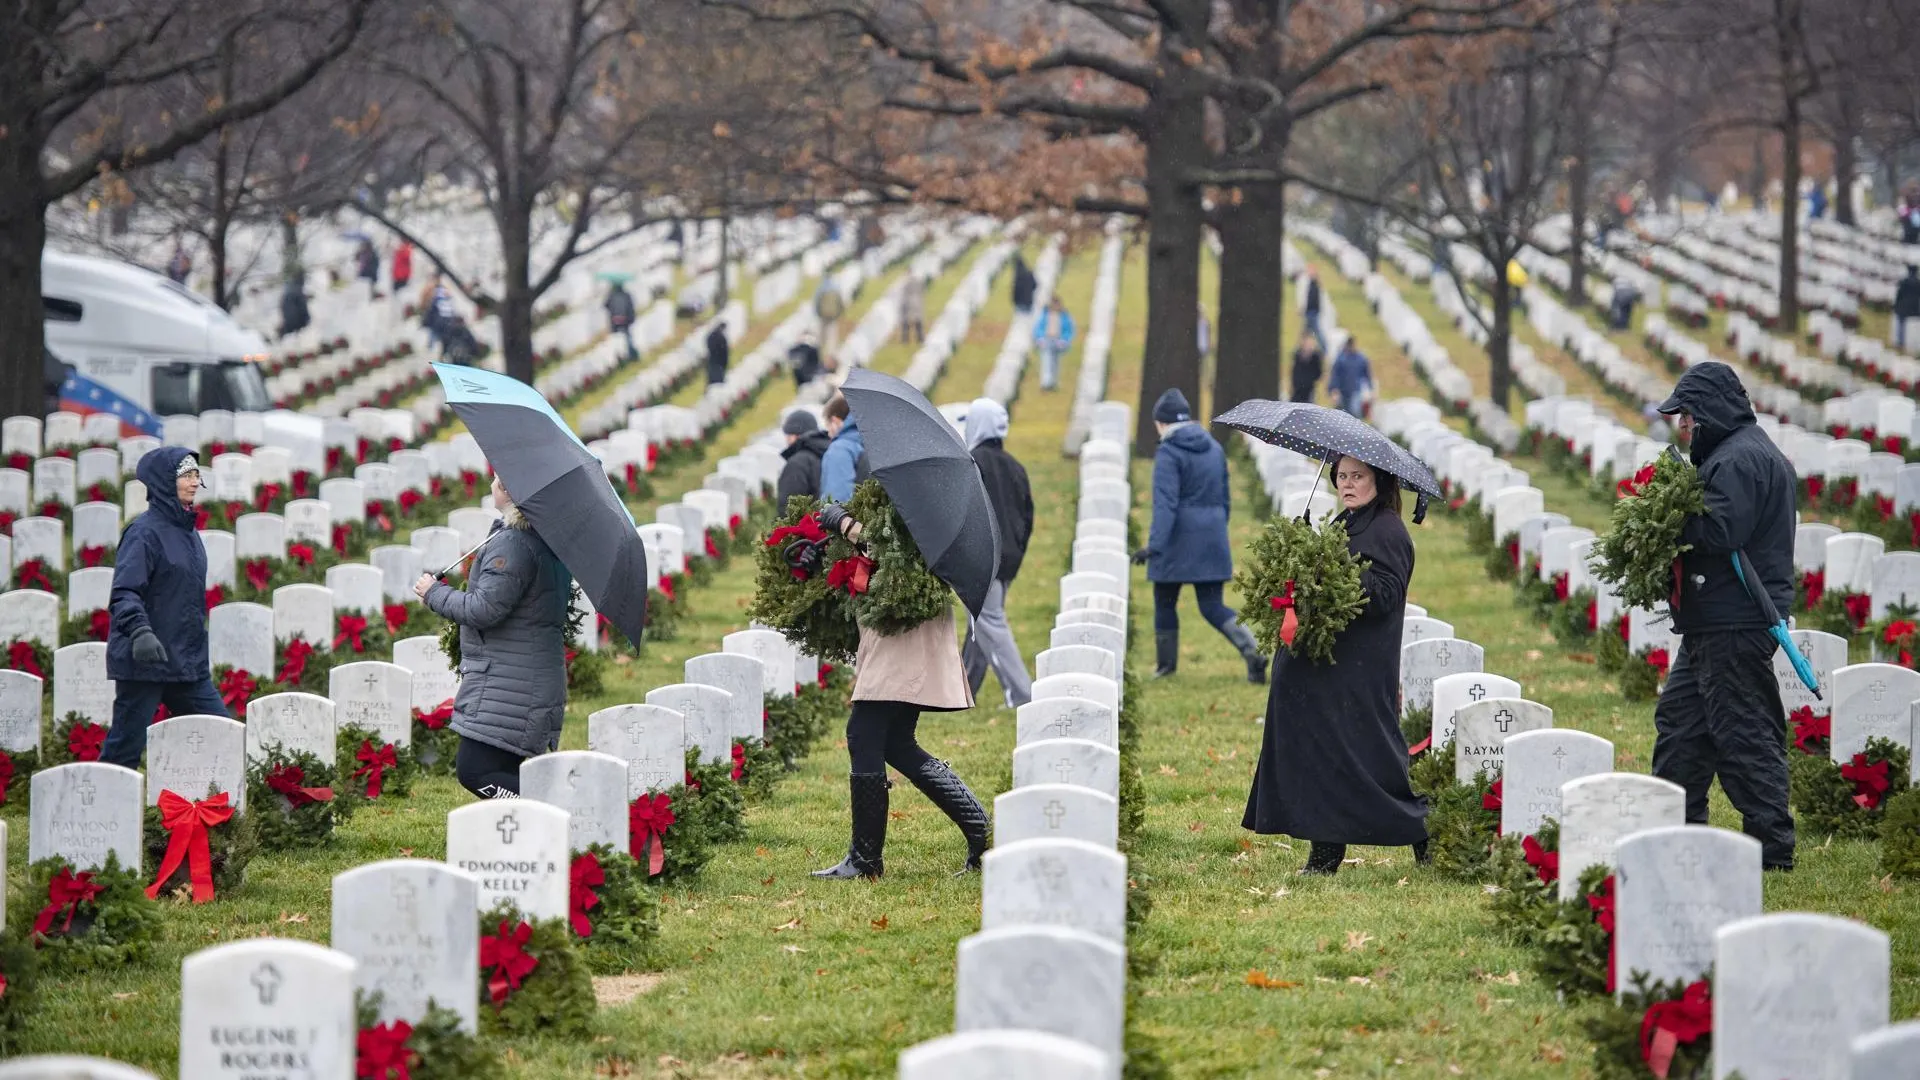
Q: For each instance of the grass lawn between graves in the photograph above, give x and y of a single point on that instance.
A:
(1387, 969)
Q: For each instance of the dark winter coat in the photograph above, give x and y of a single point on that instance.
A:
(1188, 541)
(805, 360)
(160, 581)
(1306, 373)
(1333, 764)
(1012, 499)
(1313, 299)
(620, 310)
(1024, 286)
(1906, 297)
(801, 474)
(717, 355)
(513, 642)
(1750, 503)
(294, 316)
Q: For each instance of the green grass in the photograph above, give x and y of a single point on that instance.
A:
(766, 972)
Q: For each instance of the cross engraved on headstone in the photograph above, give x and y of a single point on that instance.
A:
(1444, 654)
(84, 789)
(195, 741)
(267, 981)
(1504, 719)
(1476, 691)
(1076, 690)
(1040, 977)
(1689, 863)
(1559, 759)
(1053, 872)
(1806, 649)
(573, 778)
(635, 729)
(1625, 801)
(404, 896)
(373, 681)
(1062, 726)
(1063, 769)
(1417, 631)
(1878, 689)
(508, 826)
(1054, 812)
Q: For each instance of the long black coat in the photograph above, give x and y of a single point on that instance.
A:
(1333, 764)
(1012, 499)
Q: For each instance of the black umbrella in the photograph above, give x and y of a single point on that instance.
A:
(1329, 435)
(926, 470)
(561, 487)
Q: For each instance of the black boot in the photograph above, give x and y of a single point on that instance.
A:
(940, 784)
(1166, 652)
(1421, 855)
(1325, 859)
(1243, 640)
(869, 791)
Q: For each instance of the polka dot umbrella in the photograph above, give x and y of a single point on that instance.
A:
(1329, 435)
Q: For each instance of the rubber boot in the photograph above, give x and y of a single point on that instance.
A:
(1243, 640)
(1325, 859)
(1166, 652)
(944, 788)
(869, 799)
(1421, 855)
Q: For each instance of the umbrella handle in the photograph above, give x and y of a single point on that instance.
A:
(455, 564)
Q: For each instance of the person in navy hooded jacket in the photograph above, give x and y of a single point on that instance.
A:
(157, 645)
(1188, 542)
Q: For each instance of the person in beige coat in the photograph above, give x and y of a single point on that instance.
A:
(895, 679)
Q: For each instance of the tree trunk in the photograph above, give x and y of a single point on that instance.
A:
(217, 231)
(23, 232)
(1579, 185)
(1247, 361)
(1790, 220)
(1499, 341)
(1846, 162)
(289, 246)
(1175, 144)
(516, 306)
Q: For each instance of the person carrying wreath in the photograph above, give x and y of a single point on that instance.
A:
(1333, 763)
(895, 679)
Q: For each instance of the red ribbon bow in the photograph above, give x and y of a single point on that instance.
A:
(826, 672)
(381, 1052)
(582, 877)
(1859, 608)
(396, 618)
(187, 822)
(1814, 582)
(1593, 615)
(32, 574)
(264, 495)
(6, 774)
(1670, 1023)
(469, 478)
(1545, 863)
(410, 499)
(92, 554)
(1660, 661)
(1884, 506)
(20, 658)
(236, 689)
(340, 535)
(648, 818)
(739, 760)
(851, 574)
(351, 628)
(1897, 629)
(1290, 623)
(301, 553)
(1513, 552)
(505, 956)
(7, 518)
(1815, 485)
(216, 595)
(713, 549)
(66, 892)
(438, 718)
(295, 665)
(666, 587)
(259, 574)
(1869, 780)
(286, 780)
(377, 510)
(302, 481)
(1493, 800)
(85, 740)
(1561, 588)
(1808, 726)
(733, 525)
(1602, 904)
(374, 764)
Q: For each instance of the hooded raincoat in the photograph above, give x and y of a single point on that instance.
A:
(160, 582)
(1006, 479)
(1188, 541)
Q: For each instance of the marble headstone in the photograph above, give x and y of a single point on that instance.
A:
(20, 698)
(1066, 718)
(191, 755)
(1043, 978)
(1004, 1055)
(292, 723)
(590, 786)
(742, 677)
(1793, 991)
(1081, 762)
(1454, 692)
(706, 710)
(1596, 811)
(518, 850)
(249, 1008)
(410, 925)
(1069, 883)
(1421, 662)
(375, 695)
(1673, 887)
(240, 635)
(1872, 701)
(80, 683)
(1054, 811)
(81, 811)
(1482, 728)
(1537, 763)
(651, 739)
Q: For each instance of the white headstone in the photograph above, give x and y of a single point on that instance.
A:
(742, 678)
(433, 682)
(1672, 888)
(20, 697)
(303, 611)
(410, 925)
(1069, 883)
(1596, 811)
(1826, 653)
(1453, 692)
(249, 1008)
(1043, 978)
(776, 656)
(1068, 761)
(89, 590)
(1422, 662)
(1052, 811)
(375, 695)
(1066, 718)
(1793, 991)
(357, 588)
(81, 811)
(80, 683)
(590, 786)
(1481, 730)
(399, 566)
(292, 723)
(190, 755)
(707, 711)
(241, 636)
(651, 739)
(1537, 764)
(220, 558)
(1004, 1055)
(518, 850)
(309, 521)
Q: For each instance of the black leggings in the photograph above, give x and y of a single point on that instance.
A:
(1166, 604)
(880, 733)
(487, 771)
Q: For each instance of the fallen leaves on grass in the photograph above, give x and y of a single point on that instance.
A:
(1198, 826)
(293, 916)
(1260, 980)
(1511, 978)
(880, 923)
(768, 880)
(1401, 883)
(1357, 940)
(792, 925)
(1168, 770)
(1360, 980)
(1552, 1053)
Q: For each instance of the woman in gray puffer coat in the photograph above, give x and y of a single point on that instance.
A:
(513, 640)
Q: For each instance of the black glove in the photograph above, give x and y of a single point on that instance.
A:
(147, 650)
(805, 556)
(1140, 557)
(835, 518)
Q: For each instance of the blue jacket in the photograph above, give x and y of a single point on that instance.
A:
(1188, 542)
(1061, 323)
(160, 581)
(1351, 371)
(840, 465)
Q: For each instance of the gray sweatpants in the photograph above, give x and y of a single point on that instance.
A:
(990, 644)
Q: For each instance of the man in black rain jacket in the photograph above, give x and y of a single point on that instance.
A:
(1720, 712)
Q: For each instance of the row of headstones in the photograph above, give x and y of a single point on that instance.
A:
(1041, 989)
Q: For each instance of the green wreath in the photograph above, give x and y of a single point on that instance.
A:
(1616, 1034)
(759, 765)
(19, 767)
(276, 783)
(901, 592)
(625, 920)
(1309, 570)
(1133, 786)
(802, 605)
(554, 998)
(116, 928)
(1524, 897)
(19, 974)
(357, 772)
(1461, 830)
(314, 677)
(1571, 621)
(1640, 677)
(1610, 647)
(232, 844)
(1824, 797)
(1637, 553)
(1900, 835)
(716, 798)
(1479, 527)
(80, 628)
(797, 721)
(1415, 725)
(34, 652)
(437, 1047)
(1574, 949)
(58, 748)
(434, 748)
(1432, 772)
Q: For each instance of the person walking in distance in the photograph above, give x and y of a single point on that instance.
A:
(1024, 286)
(806, 444)
(512, 616)
(719, 353)
(402, 266)
(1053, 336)
(1720, 712)
(989, 637)
(1311, 308)
(621, 312)
(1351, 380)
(1188, 542)
(1307, 364)
(157, 639)
(1906, 305)
(913, 309)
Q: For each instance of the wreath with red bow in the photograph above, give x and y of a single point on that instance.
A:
(435, 743)
(297, 800)
(19, 980)
(1660, 1029)
(532, 977)
(199, 847)
(1302, 587)
(72, 738)
(610, 910)
(1638, 552)
(1525, 876)
(432, 1047)
(1848, 799)
(89, 920)
(375, 768)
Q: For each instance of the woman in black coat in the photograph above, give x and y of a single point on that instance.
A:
(1333, 764)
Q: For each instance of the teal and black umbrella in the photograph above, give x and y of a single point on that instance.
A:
(559, 485)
